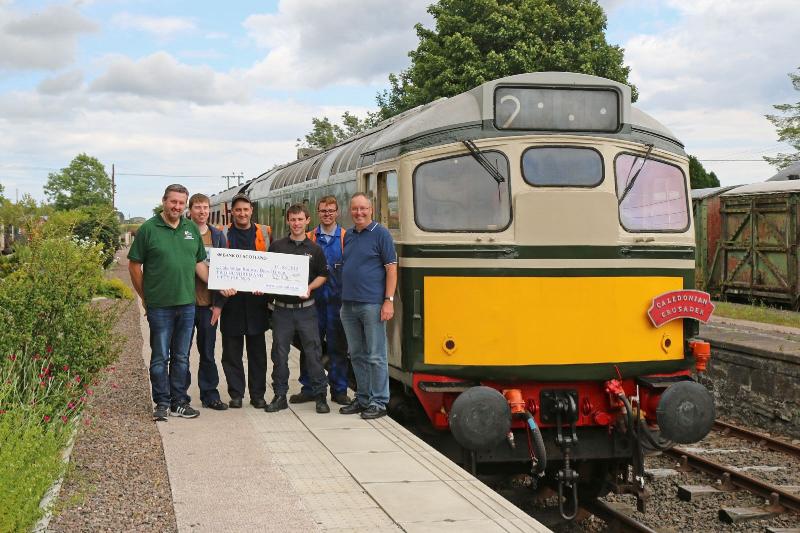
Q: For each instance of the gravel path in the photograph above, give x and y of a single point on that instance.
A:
(117, 480)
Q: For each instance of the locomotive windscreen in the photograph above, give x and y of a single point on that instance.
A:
(557, 109)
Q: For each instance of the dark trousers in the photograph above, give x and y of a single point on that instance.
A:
(334, 343)
(207, 373)
(232, 352)
(285, 323)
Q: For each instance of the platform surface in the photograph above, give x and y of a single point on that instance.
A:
(296, 470)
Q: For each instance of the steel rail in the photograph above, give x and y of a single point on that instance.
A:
(626, 523)
(769, 442)
(756, 486)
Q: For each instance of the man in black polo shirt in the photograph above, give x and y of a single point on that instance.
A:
(295, 314)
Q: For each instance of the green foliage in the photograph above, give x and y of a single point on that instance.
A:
(475, 41)
(699, 177)
(325, 133)
(788, 127)
(24, 214)
(96, 224)
(83, 183)
(115, 288)
(53, 343)
(158, 209)
(30, 452)
(757, 313)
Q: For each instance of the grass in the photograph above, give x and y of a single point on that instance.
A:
(31, 459)
(757, 313)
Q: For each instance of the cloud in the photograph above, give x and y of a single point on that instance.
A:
(41, 40)
(161, 76)
(317, 43)
(62, 83)
(161, 27)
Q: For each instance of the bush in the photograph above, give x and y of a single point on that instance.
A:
(115, 288)
(94, 224)
(53, 342)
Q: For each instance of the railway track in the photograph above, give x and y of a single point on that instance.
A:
(763, 440)
(615, 519)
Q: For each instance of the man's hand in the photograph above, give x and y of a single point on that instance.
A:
(227, 293)
(307, 295)
(215, 312)
(387, 310)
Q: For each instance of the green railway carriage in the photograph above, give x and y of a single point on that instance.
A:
(538, 219)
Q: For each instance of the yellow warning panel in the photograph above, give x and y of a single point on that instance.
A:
(546, 320)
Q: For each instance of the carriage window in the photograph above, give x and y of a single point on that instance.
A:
(562, 167)
(458, 194)
(656, 200)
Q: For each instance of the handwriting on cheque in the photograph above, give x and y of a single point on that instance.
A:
(250, 271)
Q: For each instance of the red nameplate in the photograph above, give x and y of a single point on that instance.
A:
(680, 304)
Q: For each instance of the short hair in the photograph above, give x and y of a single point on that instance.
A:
(297, 208)
(199, 198)
(328, 200)
(362, 195)
(175, 187)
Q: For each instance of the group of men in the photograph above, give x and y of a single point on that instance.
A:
(351, 284)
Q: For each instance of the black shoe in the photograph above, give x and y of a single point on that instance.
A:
(278, 403)
(352, 408)
(160, 413)
(373, 411)
(341, 398)
(184, 410)
(258, 403)
(216, 405)
(322, 405)
(235, 403)
(300, 397)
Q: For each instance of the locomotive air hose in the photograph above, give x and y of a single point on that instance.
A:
(666, 445)
(538, 443)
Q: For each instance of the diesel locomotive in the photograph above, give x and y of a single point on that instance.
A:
(544, 317)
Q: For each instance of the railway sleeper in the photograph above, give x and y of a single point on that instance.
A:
(735, 515)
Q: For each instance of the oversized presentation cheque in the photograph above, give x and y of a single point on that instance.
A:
(245, 270)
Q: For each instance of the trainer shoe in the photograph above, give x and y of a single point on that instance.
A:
(278, 403)
(352, 408)
(184, 411)
(160, 413)
(322, 405)
(217, 405)
(341, 398)
(301, 397)
(373, 411)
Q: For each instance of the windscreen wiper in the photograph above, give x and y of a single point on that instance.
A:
(629, 186)
(481, 159)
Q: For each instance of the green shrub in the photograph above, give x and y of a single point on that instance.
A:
(30, 452)
(97, 224)
(115, 288)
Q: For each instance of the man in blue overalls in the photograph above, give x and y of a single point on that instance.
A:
(329, 236)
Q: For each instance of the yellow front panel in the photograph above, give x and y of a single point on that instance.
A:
(546, 321)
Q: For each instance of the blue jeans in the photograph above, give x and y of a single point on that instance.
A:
(330, 331)
(366, 337)
(207, 373)
(170, 339)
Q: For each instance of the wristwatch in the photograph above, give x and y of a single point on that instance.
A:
(388, 298)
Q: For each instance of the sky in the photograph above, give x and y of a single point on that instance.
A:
(190, 91)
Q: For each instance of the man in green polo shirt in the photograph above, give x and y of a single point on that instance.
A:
(165, 256)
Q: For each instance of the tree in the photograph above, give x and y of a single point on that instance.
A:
(476, 41)
(158, 209)
(325, 133)
(788, 126)
(699, 177)
(83, 183)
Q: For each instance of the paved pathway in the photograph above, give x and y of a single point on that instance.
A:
(296, 470)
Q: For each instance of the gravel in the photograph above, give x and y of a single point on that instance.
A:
(117, 479)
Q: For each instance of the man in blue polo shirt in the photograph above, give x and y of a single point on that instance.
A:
(369, 279)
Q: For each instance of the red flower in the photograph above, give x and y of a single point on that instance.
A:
(46, 418)
(66, 368)
(36, 357)
(49, 349)
(71, 405)
(2, 411)
(89, 392)
(12, 357)
(64, 419)
(77, 379)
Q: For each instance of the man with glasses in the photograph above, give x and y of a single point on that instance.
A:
(369, 279)
(329, 236)
(165, 256)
